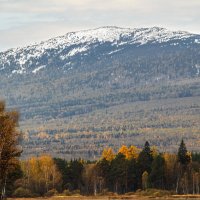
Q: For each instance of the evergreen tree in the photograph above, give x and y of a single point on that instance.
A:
(132, 179)
(119, 173)
(183, 156)
(157, 175)
(62, 167)
(103, 168)
(145, 159)
(75, 174)
(184, 159)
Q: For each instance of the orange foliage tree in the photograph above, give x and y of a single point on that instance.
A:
(108, 154)
(129, 153)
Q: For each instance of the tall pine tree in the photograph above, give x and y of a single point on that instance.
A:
(157, 175)
(145, 160)
(183, 156)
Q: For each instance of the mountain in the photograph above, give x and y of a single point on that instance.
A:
(77, 47)
(105, 86)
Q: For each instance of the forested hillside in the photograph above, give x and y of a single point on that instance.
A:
(105, 87)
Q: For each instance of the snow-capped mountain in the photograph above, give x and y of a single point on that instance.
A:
(75, 48)
(100, 80)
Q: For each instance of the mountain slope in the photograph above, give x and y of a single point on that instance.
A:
(98, 81)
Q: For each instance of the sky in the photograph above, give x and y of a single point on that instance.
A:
(24, 22)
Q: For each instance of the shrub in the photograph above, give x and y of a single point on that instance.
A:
(111, 194)
(22, 192)
(76, 192)
(154, 192)
(67, 193)
(51, 193)
(104, 192)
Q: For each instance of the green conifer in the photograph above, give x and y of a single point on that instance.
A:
(183, 156)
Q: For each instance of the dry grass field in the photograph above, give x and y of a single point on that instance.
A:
(131, 197)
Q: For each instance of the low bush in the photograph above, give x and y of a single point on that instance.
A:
(76, 192)
(104, 192)
(154, 192)
(23, 192)
(67, 193)
(52, 192)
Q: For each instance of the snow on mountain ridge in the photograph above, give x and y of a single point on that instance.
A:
(82, 40)
(109, 34)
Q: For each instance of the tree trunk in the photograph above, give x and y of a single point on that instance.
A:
(3, 192)
(177, 182)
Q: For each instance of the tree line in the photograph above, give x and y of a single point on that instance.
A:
(126, 171)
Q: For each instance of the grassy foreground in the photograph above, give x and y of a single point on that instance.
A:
(117, 197)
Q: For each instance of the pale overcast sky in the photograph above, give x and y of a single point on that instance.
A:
(23, 22)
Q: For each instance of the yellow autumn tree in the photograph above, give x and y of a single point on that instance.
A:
(129, 153)
(35, 175)
(49, 171)
(154, 151)
(133, 152)
(40, 174)
(170, 165)
(108, 154)
(124, 150)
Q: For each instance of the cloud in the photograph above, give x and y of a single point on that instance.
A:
(48, 6)
(36, 32)
(25, 21)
